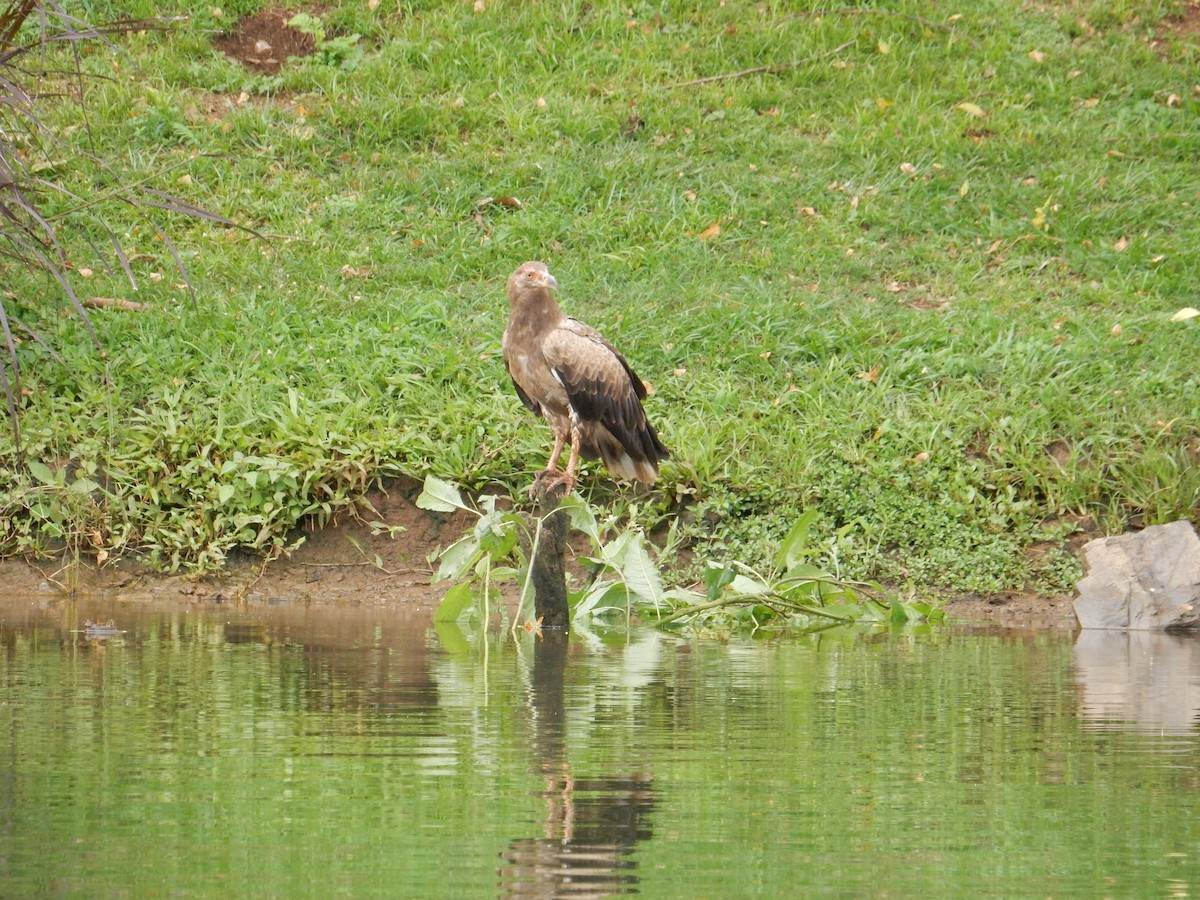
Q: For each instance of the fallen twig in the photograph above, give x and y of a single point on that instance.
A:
(355, 565)
(773, 69)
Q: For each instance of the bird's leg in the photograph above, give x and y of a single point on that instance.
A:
(559, 440)
(551, 478)
(568, 477)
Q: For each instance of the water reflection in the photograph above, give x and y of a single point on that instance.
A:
(589, 825)
(1138, 681)
(296, 752)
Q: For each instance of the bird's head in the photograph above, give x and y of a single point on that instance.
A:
(530, 277)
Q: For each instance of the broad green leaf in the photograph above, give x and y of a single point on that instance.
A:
(716, 578)
(601, 597)
(582, 517)
(628, 554)
(806, 580)
(83, 486)
(458, 559)
(804, 572)
(42, 473)
(456, 602)
(793, 548)
(748, 587)
(440, 496)
(224, 492)
(683, 596)
(496, 533)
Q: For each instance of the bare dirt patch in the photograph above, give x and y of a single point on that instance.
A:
(264, 41)
(1012, 610)
(346, 563)
(1185, 24)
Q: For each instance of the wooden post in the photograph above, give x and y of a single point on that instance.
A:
(548, 568)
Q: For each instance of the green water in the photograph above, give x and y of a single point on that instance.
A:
(284, 752)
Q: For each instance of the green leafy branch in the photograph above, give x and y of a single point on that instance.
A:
(626, 581)
(793, 593)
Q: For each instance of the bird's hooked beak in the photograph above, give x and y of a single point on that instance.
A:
(550, 281)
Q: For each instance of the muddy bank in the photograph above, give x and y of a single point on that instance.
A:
(347, 563)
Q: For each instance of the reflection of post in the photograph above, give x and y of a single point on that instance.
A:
(548, 565)
(590, 826)
(548, 706)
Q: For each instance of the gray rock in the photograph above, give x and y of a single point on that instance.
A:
(1146, 581)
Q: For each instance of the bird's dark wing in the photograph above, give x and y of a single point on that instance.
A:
(529, 402)
(598, 381)
(587, 331)
(601, 386)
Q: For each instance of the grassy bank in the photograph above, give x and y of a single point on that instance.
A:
(920, 273)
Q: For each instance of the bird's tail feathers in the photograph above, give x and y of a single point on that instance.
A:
(618, 459)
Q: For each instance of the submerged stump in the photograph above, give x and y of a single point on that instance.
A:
(548, 566)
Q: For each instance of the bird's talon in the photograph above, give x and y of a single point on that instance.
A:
(552, 483)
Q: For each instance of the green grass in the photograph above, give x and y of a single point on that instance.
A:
(974, 268)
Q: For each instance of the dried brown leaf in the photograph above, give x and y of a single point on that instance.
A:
(508, 202)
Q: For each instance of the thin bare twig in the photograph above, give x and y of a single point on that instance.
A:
(364, 564)
(855, 11)
(37, 339)
(773, 69)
